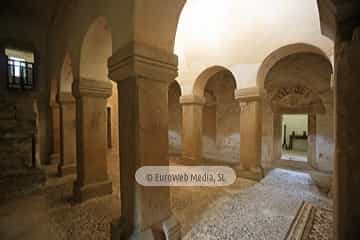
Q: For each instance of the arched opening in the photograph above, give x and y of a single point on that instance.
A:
(66, 75)
(221, 113)
(175, 120)
(284, 52)
(297, 112)
(95, 51)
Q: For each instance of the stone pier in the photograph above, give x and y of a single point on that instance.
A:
(67, 164)
(92, 176)
(192, 129)
(250, 133)
(143, 75)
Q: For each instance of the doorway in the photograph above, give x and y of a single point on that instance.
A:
(294, 137)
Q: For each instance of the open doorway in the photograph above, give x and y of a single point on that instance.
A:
(294, 137)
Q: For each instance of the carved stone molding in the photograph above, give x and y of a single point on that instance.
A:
(140, 60)
(295, 99)
(94, 88)
(248, 94)
(65, 97)
(243, 106)
(192, 100)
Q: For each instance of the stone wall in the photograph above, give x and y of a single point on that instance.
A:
(32, 37)
(325, 142)
(17, 134)
(221, 120)
(19, 146)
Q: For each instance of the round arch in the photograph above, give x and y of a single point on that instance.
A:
(201, 81)
(66, 74)
(273, 58)
(95, 51)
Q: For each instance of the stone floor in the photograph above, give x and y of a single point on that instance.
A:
(49, 213)
(300, 156)
(262, 212)
(245, 210)
(189, 204)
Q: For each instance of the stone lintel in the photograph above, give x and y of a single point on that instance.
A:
(94, 88)
(66, 97)
(248, 94)
(140, 60)
(192, 100)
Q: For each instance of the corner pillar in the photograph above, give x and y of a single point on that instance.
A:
(67, 164)
(92, 176)
(143, 75)
(192, 129)
(250, 133)
(347, 164)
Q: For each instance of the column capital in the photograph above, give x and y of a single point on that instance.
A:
(93, 88)
(192, 100)
(356, 34)
(65, 97)
(248, 94)
(338, 18)
(140, 60)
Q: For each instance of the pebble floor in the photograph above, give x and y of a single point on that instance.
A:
(262, 212)
(245, 210)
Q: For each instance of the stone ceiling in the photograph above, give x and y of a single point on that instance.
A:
(39, 10)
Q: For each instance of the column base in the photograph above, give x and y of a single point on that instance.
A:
(168, 229)
(87, 192)
(250, 173)
(66, 170)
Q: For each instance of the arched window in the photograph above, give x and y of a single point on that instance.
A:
(20, 69)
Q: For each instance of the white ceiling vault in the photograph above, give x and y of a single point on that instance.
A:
(240, 34)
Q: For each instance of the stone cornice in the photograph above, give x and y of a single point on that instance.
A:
(65, 97)
(248, 94)
(94, 88)
(140, 60)
(192, 100)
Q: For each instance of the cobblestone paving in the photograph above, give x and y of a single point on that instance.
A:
(243, 211)
(262, 212)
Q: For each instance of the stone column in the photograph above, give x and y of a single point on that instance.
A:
(67, 164)
(250, 133)
(192, 129)
(143, 75)
(347, 163)
(55, 134)
(92, 176)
